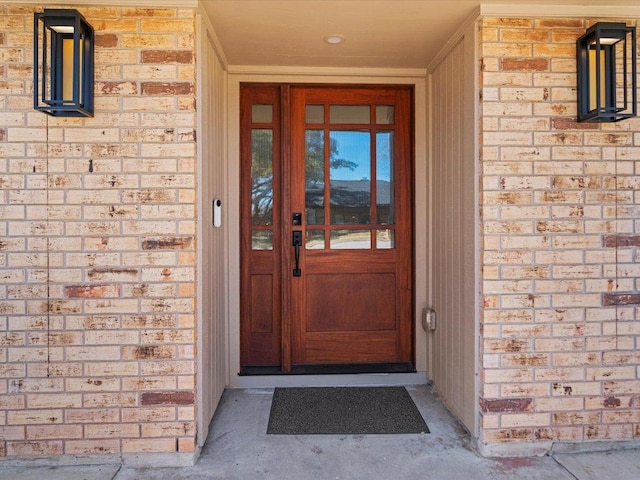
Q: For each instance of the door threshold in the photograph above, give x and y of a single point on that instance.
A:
(329, 380)
(331, 369)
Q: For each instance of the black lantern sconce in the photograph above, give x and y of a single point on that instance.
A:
(63, 63)
(607, 73)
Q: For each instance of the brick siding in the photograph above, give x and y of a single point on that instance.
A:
(97, 246)
(561, 258)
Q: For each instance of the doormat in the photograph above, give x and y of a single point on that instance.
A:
(344, 410)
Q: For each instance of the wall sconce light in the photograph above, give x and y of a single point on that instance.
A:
(63, 63)
(607, 80)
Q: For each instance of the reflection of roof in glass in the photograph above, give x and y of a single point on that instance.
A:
(353, 193)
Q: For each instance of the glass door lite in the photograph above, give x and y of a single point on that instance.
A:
(326, 228)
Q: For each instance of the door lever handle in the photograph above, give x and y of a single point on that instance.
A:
(296, 242)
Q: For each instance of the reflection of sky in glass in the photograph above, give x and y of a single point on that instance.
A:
(352, 147)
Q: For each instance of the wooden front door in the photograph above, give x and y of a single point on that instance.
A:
(326, 226)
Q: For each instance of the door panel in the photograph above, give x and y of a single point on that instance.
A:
(260, 260)
(262, 296)
(359, 302)
(355, 184)
(324, 348)
(342, 185)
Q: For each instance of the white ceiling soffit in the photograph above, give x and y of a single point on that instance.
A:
(384, 34)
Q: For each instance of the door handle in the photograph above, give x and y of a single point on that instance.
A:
(296, 242)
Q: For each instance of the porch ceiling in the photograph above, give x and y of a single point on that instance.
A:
(378, 33)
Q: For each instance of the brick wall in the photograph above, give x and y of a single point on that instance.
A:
(97, 246)
(561, 260)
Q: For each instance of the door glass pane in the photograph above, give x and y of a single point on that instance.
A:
(261, 240)
(385, 114)
(349, 114)
(384, 174)
(350, 239)
(385, 239)
(314, 176)
(261, 177)
(315, 240)
(350, 177)
(261, 113)
(314, 114)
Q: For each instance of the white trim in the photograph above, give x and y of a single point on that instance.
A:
(474, 31)
(332, 71)
(453, 41)
(232, 219)
(322, 76)
(214, 36)
(201, 427)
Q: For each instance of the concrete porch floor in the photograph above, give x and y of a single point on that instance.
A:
(239, 448)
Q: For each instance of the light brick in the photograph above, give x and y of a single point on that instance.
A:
(186, 445)
(517, 420)
(35, 448)
(93, 384)
(134, 40)
(608, 432)
(91, 447)
(93, 353)
(105, 400)
(44, 432)
(508, 375)
(558, 404)
(105, 369)
(35, 417)
(560, 434)
(175, 26)
(157, 445)
(114, 337)
(93, 416)
(115, 430)
(575, 418)
(169, 429)
(51, 400)
(149, 383)
(508, 435)
(8, 433)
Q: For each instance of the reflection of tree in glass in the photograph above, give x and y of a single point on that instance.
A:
(261, 177)
(315, 157)
(350, 193)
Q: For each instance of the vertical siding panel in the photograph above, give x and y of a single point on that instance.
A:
(457, 219)
(212, 367)
(218, 240)
(469, 247)
(453, 224)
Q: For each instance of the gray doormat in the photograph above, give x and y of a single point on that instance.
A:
(344, 410)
